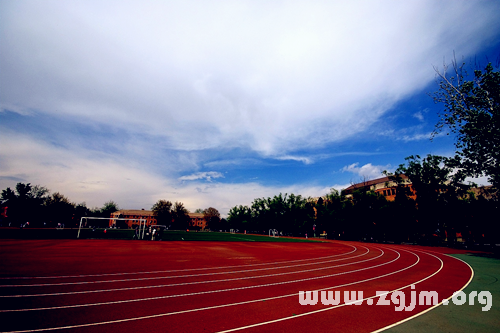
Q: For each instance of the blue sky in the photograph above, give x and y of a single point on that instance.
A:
(215, 103)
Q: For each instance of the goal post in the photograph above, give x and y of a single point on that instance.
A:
(273, 233)
(142, 223)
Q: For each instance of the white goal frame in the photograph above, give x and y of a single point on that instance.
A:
(141, 224)
(274, 233)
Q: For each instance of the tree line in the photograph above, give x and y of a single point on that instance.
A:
(34, 206)
(440, 207)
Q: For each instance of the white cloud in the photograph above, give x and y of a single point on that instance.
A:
(367, 171)
(305, 160)
(203, 175)
(480, 181)
(416, 137)
(176, 81)
(419, 115)
(275, 77)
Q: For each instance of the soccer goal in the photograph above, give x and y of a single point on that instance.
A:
(142, 223)
(274, 233)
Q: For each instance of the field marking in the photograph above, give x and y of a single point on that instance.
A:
(202, 282)
(176, 270)
(434, 306)
(174, 276)
(245, 239)
(329, 308)
(281, 319)
(209, 291)
(337, 306)
(219, 306)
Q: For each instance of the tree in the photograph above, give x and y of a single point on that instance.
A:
(212, 217)
(60, 209)
(25, 204)
(438, 190)
(162, 210)
(180, 216)
(240, 217)
(472, 113)
(108, 208)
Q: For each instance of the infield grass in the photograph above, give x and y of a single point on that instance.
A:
(174, 235)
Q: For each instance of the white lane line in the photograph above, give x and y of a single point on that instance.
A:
(337, 306)
(245, 239)
(204, 281)
(216, 306)
(176, 276)
(328, 308)
(434, 306)
(177, 270)
(211, 291)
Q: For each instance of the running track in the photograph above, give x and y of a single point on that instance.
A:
(139, 286)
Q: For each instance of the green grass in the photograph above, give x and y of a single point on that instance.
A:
(224, 237)
(51, 233)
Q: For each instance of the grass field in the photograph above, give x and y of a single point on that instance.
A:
(27, 233)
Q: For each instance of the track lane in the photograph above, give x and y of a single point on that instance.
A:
(305, 280)
(218, 313)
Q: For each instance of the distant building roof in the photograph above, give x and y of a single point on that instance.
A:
(142, 212)
(369, 183)
(134, 212)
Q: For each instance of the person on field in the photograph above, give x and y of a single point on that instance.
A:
(153, 234)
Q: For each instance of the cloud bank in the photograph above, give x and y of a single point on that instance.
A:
(167, 90)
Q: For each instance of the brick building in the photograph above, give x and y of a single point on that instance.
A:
(147, 215)
(383, 186)
(196, 220)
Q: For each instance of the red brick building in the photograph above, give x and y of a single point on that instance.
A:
(383, 186)
(137, 214)
(196, 220)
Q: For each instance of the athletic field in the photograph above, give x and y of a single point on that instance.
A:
(191, 286)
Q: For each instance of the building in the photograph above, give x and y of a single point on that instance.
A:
(196, 220)
(384, 186)
(136, 214)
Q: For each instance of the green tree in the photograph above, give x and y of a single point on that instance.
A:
(212, 216)
(240, 217)
(162, 210)
(180, 216)
(108, 208)
(60, 210)
(438, 190)
(472, 113)
(25, 203)
(333, 216)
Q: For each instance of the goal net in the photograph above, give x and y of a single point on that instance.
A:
(273, 233)
(86, 221)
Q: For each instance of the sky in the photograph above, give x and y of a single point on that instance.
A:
(216, 103)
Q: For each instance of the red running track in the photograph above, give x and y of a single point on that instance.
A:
(134, 286)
